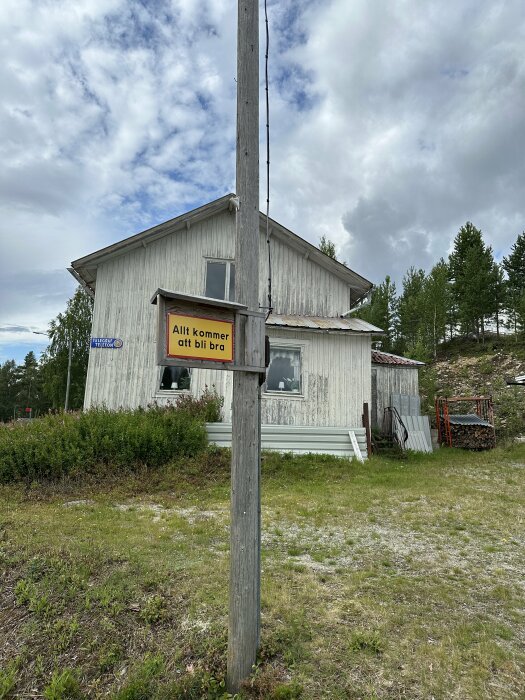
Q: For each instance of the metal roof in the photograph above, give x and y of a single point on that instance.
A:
(468, 419)
(386, 358)
(322, 323)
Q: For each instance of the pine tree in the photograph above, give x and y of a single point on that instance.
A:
(411, 310)
(381, 311)
(28, 388)
(8, 379)
(514, 266)
(438, 306)
(500, 295)
(473, 275)
(327, 247)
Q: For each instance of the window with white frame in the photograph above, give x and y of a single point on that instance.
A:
(284, 371)
(175, 379)
(220, 279)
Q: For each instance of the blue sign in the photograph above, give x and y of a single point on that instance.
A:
(111, 343)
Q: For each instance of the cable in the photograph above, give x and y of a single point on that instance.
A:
(270, 308)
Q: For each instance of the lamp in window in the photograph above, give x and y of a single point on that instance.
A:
(281, 386)
(175, 379)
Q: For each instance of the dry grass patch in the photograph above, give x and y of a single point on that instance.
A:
(393, 579)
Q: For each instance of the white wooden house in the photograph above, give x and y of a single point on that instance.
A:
(320, 370)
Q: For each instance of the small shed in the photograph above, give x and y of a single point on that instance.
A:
(391, 374)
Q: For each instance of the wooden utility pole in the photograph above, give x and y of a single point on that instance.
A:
(244, 616)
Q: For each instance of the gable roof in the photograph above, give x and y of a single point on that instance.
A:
(386, 358)
(85, 269)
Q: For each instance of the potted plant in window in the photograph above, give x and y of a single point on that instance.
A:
(294, 385)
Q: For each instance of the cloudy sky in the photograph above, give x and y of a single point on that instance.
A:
(392, 123)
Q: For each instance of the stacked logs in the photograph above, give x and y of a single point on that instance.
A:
(470, 431)
(473, 436)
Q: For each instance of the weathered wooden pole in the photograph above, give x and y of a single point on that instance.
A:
(244, 616)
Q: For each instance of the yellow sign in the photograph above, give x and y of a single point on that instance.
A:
(199, 338)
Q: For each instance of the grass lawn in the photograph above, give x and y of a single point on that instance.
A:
(399, 578)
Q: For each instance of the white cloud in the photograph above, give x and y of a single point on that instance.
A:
(391, 125)
(415, 132)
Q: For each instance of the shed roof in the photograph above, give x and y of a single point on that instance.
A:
(386, 358)
(468, 419)
(85, 269)
(322, 323)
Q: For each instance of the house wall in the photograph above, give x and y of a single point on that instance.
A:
(388, 380)
(336, 380)
(129, 377)
(300, 286)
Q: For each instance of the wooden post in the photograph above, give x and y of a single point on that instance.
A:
(366, 426)
(244, 614)
(68, 381)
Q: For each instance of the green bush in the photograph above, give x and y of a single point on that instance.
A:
(56, 446)
(208, 407)
(509, 411)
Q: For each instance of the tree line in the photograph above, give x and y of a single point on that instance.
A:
(40, 384)
(459, 297)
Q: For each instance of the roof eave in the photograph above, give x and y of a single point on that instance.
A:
(154, 233)
(353, 279)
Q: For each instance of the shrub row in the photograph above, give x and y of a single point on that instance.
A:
(71, 444)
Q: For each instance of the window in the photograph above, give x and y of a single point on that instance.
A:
(220, 280)
(284, 371)
(175, 379)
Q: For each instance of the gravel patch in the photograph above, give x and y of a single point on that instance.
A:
(407, 550)
(82, 502)
(158, 511)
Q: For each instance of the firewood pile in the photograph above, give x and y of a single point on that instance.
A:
(471, 431)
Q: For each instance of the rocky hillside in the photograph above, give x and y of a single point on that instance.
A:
(467, 368)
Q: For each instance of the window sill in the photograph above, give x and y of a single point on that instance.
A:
(284, 394)
(166, 393)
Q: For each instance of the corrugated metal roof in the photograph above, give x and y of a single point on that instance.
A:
(322, 323)
(468, 419)
(386, 358)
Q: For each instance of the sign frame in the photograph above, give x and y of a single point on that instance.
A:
(248, 330)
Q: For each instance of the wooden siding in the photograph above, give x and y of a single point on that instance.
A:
(300, 286)
(129, 377)
(335, 380)
(388, 380)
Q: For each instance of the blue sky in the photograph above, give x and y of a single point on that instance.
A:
(391, 124)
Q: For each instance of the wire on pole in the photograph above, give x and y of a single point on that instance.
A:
(270, 307)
